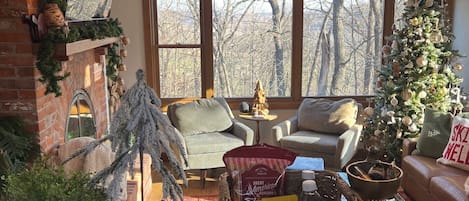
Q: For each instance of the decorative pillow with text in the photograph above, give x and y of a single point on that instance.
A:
(456, 151)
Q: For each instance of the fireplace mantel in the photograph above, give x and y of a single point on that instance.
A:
(64, 50)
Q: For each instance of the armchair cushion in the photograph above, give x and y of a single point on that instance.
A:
(327, 116)
(308, 141)
(212, 143)
(201, 116)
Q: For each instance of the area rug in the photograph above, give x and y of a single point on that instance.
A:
(201, 198)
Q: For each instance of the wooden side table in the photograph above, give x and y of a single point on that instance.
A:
(258, 119)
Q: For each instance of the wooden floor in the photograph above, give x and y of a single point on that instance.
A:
(194, 188)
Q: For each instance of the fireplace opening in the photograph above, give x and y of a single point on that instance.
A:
(81, 119)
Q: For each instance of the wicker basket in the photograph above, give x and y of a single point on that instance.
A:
(330, 185)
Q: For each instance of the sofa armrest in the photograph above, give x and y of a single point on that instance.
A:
(347, 144)
(244, 132)
(408, 146)
(284, 128)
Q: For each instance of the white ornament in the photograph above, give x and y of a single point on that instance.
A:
(422, 94)
(394, 101)
(377, 132)
(413, 128)
(458, 67)
(398, 133)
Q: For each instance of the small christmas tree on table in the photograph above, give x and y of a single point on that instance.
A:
(418, 74)
(138, 127)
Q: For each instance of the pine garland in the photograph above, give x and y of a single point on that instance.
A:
(418, 74)
(49, 67)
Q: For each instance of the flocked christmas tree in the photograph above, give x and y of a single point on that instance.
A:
(138, 127)
(418, 73)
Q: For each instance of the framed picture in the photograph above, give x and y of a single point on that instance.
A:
(84, 10)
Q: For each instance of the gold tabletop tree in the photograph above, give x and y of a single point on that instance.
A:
(260, 105)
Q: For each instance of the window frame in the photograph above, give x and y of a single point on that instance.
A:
(207, 81)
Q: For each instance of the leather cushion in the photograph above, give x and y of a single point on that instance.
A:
(211, 143)
(200, 116)
(309, 141)
(327, 116)
(424, 168)
(448, 188)
(435, 133)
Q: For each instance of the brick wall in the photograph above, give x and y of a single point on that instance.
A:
(23, 95)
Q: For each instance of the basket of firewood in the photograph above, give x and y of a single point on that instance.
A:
(374, 180)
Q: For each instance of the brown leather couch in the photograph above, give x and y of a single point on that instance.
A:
(426, 180)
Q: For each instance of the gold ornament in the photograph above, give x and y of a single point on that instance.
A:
(407, 120)
(458, 67)
(369, 111)
(414, 21)
(436, 37)
(406, 94)
(123, 53)
(428, 3)
(125, 40)
(421, 61)
(394, 101)
(410, 3)
(53, 15)
(122, 67)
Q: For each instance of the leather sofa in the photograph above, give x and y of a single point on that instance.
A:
(426, 180)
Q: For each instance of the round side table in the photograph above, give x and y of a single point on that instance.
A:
(258, 119)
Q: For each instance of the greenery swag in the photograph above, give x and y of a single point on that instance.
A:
(50, 67)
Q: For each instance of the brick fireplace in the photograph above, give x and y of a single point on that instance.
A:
(20, 92)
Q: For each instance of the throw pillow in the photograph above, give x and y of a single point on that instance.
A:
(435, 133)
(200, 116)
(327, 116)
(456, 151)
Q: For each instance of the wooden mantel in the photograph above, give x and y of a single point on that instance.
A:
(64, 50)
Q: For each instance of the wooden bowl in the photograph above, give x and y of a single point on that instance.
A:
(373, 189)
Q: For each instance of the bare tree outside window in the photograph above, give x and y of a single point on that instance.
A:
(252, 41)
(341, 46)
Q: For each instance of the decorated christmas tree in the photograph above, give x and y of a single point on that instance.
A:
(418, 73)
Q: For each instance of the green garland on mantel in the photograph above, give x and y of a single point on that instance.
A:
(50, 67)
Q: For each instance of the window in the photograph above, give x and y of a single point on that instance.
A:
(80, 120)
(341, 47)
(203, 48)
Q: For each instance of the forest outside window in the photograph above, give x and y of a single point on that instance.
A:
(296, 48)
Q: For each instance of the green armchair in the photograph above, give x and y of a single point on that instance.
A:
(322, 128)
(208, 130)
